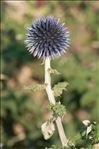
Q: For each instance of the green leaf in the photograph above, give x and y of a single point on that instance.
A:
(58, 88)
(58, 109)
(36, 87)
(53, 71)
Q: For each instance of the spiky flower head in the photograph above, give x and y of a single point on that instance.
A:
(47, 37)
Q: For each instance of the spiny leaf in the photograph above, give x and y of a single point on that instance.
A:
(36, 87)
(53, 71)
(58, 109)
(58, 88)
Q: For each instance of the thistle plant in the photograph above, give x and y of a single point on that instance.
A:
(48, 38)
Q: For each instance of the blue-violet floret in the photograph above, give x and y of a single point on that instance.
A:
(47, 37)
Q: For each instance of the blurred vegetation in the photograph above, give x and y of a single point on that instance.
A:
(22, 111)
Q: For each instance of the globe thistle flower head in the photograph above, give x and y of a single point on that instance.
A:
(47, 37)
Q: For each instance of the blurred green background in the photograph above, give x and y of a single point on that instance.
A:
(23, 111)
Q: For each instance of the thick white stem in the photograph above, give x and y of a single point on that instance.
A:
(51, 98)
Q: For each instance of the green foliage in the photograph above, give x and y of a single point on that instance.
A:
(36, 87)
(53, 71)
(58, 109)
(90, 133)
(81, 71)
(54, 147)
(58, 88)
(59, 147)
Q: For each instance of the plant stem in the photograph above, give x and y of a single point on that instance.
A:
(51, 98)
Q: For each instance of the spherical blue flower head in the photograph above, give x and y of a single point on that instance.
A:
(47, 37)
